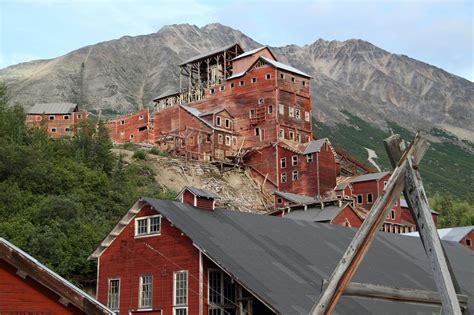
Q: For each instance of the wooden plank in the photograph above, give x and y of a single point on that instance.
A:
(418, 204)
(351, 259)
(406, 295)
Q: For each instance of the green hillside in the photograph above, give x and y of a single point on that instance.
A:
(446, 168)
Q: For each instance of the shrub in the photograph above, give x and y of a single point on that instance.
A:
(139, 155)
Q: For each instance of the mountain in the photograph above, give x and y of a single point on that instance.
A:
(125, 74)
(360, 92)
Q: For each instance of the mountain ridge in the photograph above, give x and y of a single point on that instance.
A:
(125, 74)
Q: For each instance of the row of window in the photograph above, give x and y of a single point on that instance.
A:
(268, 76)
(294, 176)
(145, 293)
(393, 228)
(145, 226)
(65, 117)
(295, 160)
(55, 129)
(369, 198)
(290, 135)
(141, 117)
(226, 124)
(293, 112)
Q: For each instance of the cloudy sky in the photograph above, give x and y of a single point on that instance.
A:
(437, 32)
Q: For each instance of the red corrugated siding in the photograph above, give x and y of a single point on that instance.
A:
(121, 133)
(26, 296)
(205, 203)
(470, 236)
(188, 198)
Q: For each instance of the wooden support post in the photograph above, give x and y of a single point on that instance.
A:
(351, 259)
(418, 204)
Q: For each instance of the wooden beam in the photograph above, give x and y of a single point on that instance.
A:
(418, 204)
(406, 295)
(354, 254)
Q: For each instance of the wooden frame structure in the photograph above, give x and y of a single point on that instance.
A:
(405, 178)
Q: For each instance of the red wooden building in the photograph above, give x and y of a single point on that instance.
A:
(463, 235)
(130, 128)
(28, 287)
(59, 118)
(167, 257)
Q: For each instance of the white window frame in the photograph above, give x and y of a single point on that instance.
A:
(361, 198)
(297, 113)
(140, 293)
(228, 140)
(306, 116)
(294, 160)
(371, 199)
(148, 226)
(295, 175)
(283, 177)
(268, 76)
(291, 135)
(51, 117)
(141, 117)
(291, 111)
(66, 117)
(261, 101)
(218, 120)
(112, 307)
(270, 109)
(227, 123)
(283, 162)
(281, 109)
(309, 158)
(254, 80)
(281, 133)
(177, 306)
(54, 129)
(220, 138)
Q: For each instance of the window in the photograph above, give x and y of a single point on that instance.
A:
(281, 134)
(141, 117)
(180, 293)
(227, 123)
(279, 200)
(283, 177)
(468, 242)
(359, 199)
(122, 133)
(218, 121)
(215, 290)
(53, 130)
(113, 293)
(241, 83)
(228, 140)
(270, 110)
(295, 175)
(297, 113)
(268, 76)
(370, 198)
(79, 116)
(254, 80)
(143, 128)
(392, 215)
(232, 85)
(131, 136)
(291, 111)
(67, 129)
(66, 117)
(283, 162)
(298, 137)
(281, 109)
(384, 185)
(294, 160)
(293, 79)
(122, 122)
(222, 88)
(257, 131)
(306, 116)
(208, 138)
(211, 91)
(191, 141)
(261, 101)
(282, 76)
(199, 139)
(51, 117)
(291, 135)
(252, 113)
(147, 225)
(220, 138)
(221, 294)
(145, 291)
(309, 158)
(303, 82)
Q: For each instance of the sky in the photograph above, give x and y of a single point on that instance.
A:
(440, 33)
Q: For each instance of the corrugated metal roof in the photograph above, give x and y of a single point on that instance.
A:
(167, 94)
(201, 192)
(326, 214)
(455, 234)
(53, 108)
(284, 262)
(315, 146)
(236, 75)
(285, 67)
(24, 255)
(300, 199)
(371, 176)
(404, 204)
(209, 53)
(249, 53)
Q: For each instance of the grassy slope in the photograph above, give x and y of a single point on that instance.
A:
(445, 168)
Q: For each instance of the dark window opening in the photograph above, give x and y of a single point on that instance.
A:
(142, 128)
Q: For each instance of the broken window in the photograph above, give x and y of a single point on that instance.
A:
(220, 138)
(142, 128)
(252, 113)
(297, 113)
(291, 111)
(227, 140)
(208, 138)
(370, 198)
(359, 199)
(309, 158)
(281, 109)
(218, 121)
(294, 160)
(268, 76)
(306, 116)
(281, 134)
(227, 123)
(241, 83)
(141, 117)
(222, 87)
(254, 80)
(145, 292)
(257, 131)
(291, 135)
(113, 292)
(295, 175)
(283, 162)
(261, 101)
(270, 109)
(283, 177)
(232, 85)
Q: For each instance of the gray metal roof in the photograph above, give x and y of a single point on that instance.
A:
(27, 257)
(53, 108)
(315, 146)
(300, 199)
(283, 262)
(201, 192)
(249, 53)
(209, 53)
(371, 176)
(326, 214)
(167, 94)
(455, 234)
(342, 186)
(404, 204)
(284, 67)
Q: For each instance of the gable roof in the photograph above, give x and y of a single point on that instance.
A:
(285, 67)
(299, 199)
(283, 262)
(315, 146)
(198, 114)
(254, 51)
(455, 234)
(368, 177)
(53, 108)
(216, 111)
(211, 52)
(199, 192)
(49, 279)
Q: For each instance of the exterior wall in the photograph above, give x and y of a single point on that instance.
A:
(129, 128)
(205, 203)
(468, 238)
(347, 217)
(264, 163)
(58, 125)
(26, 296)
(128, 257)
(374, 187)
(188, 198)
(280, 202)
